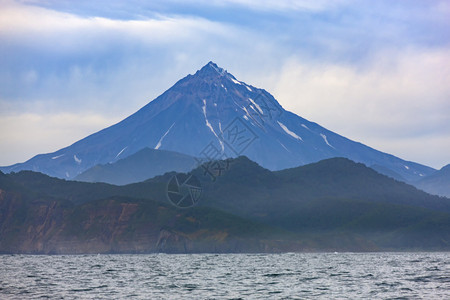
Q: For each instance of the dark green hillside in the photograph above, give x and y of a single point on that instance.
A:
(73, 191)
(346, 179)
(334, 204)
(335, 196)
(248, 189)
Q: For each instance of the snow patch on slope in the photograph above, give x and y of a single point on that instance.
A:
(163, 136)
(284, 147)
(120, 152)
(247, 116)
(58, 156)
(291, 133)
(246, 111)
(210, 126)
(256, 105)
(77, 160)
(235, 81)
(325, 139)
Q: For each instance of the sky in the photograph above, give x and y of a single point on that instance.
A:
(377, 72)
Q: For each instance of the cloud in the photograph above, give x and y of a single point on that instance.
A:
(95, 62)
(400, 98)
(37, 26)
(25, 135)
(430, 150)
(280, 5)
(138, 8)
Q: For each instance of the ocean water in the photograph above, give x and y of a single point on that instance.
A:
(227, 276)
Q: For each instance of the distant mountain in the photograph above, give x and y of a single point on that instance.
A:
(212, 115)
(438, 183)
(142, 165)
(332, 205)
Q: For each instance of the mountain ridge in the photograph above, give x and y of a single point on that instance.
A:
(212, 115)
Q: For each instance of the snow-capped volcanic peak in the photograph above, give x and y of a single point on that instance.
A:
(216, 68)
(213, 114)
(210, 70)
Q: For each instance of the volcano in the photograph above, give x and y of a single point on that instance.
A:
(213, 115)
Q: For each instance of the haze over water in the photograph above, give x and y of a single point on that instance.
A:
(423, 275)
